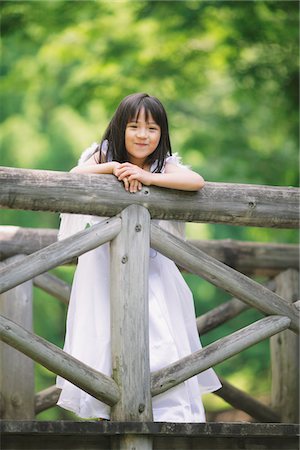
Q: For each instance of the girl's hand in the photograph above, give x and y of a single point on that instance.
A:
(116, 166)
(134, 173)
(131, 184)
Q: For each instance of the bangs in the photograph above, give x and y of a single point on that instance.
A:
(150, 107)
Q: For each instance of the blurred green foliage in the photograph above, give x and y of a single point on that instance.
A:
(227, 73)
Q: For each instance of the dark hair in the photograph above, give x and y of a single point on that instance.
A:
(128, 110)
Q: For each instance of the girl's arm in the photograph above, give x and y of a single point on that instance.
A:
(91, 166)
(174, 177)
(133, 177)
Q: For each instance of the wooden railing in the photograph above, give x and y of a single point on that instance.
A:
(130, 231)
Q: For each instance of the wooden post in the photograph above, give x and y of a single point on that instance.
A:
(17, 370)
(285, 356)
(129, 324)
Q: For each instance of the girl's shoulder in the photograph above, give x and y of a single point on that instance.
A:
(94, 147)
(176, 160)
(87, 153)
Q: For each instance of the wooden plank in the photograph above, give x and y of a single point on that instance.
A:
(285, 356)
(58, 253)
(242, 287)
(244, 402)
(217, 352)
(16, 370)
(129, 269)
(54, 286)
(95, 383)
(103, 195)
(92, 435)
(257, 258)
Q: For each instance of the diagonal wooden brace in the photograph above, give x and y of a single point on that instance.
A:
(212, 270)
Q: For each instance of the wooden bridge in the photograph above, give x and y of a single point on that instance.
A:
(131, 232)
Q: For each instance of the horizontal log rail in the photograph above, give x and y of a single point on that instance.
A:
(15, 240)
(103, 195)
(215, 353)
(258, 258)
(95, 383)
(251, 258)
(58, 253)
(226, 278)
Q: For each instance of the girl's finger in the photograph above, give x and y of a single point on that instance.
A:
(126, 164)
(124, 173)
(134, 186)
(126, 183)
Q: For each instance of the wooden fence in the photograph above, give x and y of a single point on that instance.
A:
(131, 232)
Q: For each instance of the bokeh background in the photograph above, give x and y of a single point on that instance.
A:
(227, 73)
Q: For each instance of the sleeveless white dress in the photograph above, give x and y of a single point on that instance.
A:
(172, 328)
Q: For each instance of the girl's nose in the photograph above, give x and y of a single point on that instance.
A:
(142, 132)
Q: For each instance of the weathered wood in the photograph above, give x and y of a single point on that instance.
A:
(217, 352)
(16, 240)
(69, 435)
(224, 312)
(103, 195)
(219, 315)
(240, 400)
(46, 399)
(242, 287)
(95, 383)
(129, 254)
(58, 253)
(235, 397)
(255, 258)
(285, 356)
(258, 258)
(53, 286)
(16, 370)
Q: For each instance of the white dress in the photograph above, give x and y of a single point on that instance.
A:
(172, 331)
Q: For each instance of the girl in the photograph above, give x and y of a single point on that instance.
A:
(136, 149)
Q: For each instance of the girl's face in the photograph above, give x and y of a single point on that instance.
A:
(142, 136)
